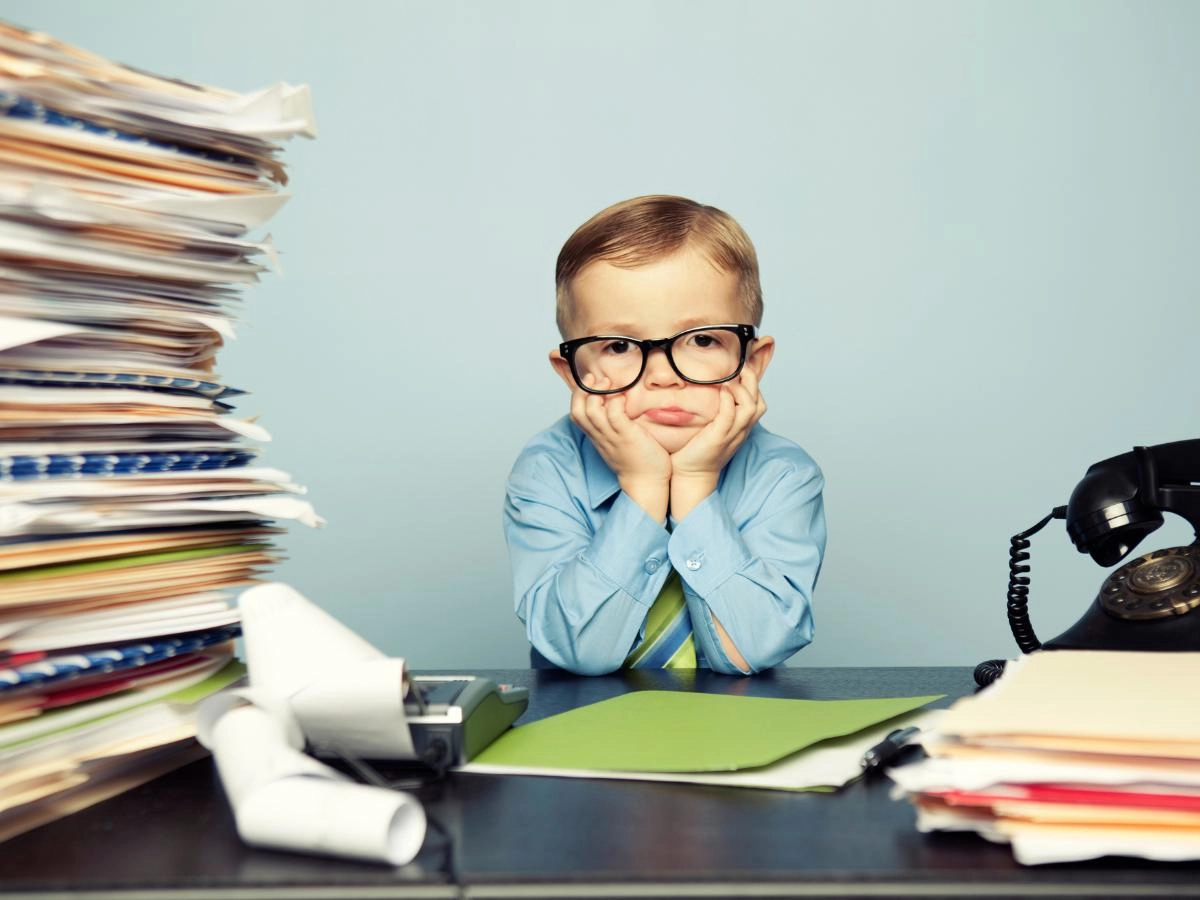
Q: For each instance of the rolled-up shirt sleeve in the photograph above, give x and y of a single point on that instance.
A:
(582, 583)
(749, 554)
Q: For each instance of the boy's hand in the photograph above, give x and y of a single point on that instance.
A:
(696, 465)
(642, 466)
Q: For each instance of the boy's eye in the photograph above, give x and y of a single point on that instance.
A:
(617, 347)
(705, 340)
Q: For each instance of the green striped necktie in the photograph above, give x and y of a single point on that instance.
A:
(669, 643)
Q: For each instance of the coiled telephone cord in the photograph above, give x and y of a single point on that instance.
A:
(1018, 599)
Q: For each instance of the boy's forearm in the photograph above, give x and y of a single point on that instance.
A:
(750, 579)
(581, 620)
(688, 492)
(583, 597)
(734, 654)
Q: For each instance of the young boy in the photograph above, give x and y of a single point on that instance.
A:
(659, 524)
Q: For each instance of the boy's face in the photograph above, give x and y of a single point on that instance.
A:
(657, 300)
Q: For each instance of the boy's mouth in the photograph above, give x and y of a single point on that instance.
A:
(669, 415)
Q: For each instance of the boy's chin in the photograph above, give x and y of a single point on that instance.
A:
(671, 437)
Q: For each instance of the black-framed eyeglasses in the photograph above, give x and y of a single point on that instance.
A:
(710, 354)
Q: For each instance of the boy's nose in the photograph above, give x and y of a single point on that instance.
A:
(659, 372)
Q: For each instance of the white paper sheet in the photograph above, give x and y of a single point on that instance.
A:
(14, 332)
(69, 518)
(42, 396)
(358, 710)
(347, 696)
(979, 774)
(1035, 845)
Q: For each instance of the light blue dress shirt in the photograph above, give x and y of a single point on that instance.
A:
(588, 562)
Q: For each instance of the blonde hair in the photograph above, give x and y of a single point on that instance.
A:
(642, 230)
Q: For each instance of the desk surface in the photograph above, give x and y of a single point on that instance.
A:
(547, 837)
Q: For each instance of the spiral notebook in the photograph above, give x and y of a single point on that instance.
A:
(57, 465)
(55, 670)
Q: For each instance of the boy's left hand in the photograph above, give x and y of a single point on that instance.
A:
(741, 407)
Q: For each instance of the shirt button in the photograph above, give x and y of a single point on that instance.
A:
(652, 564)
(693, 564)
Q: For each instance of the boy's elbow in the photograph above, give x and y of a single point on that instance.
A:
(594, 667)
(726, 666)
(580, 662)
(776, 653)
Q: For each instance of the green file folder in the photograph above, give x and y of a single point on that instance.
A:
(680, 731)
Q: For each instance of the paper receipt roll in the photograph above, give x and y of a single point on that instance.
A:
(286, 800)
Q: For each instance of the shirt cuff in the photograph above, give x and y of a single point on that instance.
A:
(706, 548)
(630, 550)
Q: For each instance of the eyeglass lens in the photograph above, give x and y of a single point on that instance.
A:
(701, 355)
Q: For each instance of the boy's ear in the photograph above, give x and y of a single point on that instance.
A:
(758, 355)
(563, 368)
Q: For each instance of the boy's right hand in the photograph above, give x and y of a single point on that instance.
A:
(642, 466)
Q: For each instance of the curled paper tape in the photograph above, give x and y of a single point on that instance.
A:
(358, 711)
(286, 800)
(213, 708)
(346, 695)
(334, 819)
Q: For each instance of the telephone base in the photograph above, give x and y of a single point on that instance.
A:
(1099, 630)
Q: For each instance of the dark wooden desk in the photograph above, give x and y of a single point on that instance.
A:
(544, 837)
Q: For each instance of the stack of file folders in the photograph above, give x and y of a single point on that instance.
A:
(132, 507)
(1071, 755)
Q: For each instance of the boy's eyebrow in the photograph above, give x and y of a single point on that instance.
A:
(697, 321)
(622, 328)
(628, 330)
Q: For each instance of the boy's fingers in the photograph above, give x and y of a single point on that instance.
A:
(598, 414)
(587, 410)
(615, 412)
(726, 410)
(618, 419)
(578, 407)
(743, 395)
(614, 407)
(603, 409)
(746, 404)
(749, 380)
(760, 403)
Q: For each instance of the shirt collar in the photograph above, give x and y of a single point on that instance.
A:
(601, 481)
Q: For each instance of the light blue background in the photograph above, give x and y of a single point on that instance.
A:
(977, 223)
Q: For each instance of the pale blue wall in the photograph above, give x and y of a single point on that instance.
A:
(978, 229)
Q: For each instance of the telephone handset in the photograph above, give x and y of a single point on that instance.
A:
(1150, 603)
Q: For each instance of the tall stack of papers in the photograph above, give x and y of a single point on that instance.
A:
(131, 504)
(1071, 755)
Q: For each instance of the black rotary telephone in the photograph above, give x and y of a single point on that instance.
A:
(1151, 602)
